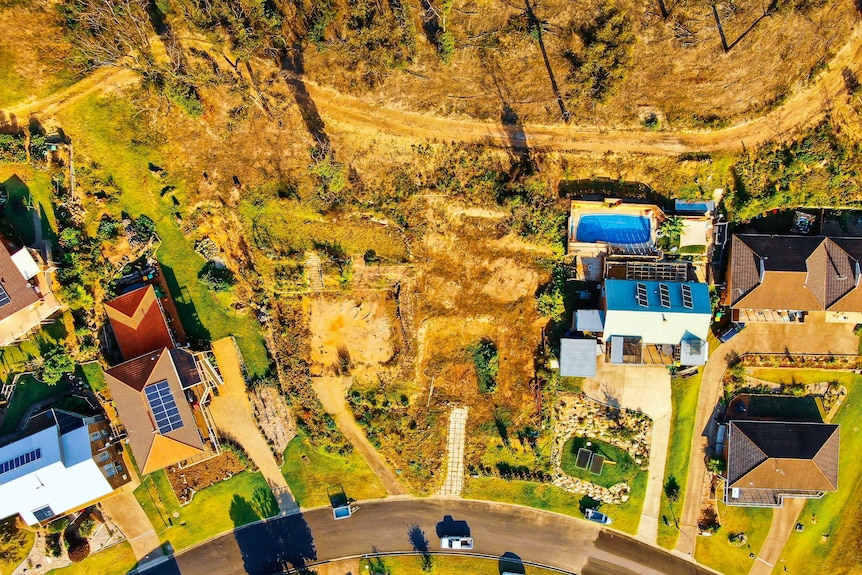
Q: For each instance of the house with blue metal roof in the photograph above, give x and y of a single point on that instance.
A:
(656, 321)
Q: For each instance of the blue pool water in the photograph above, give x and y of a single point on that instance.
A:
(615, 229)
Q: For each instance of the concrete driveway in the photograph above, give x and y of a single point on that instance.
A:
(646, 389)
(815, 336)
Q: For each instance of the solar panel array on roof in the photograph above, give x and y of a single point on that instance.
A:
(686, 296)
(164, 407)
(17, 462)
(4, 297)
(664, 294)
(642, 295)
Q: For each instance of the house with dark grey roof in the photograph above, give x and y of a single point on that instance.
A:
(770, 460)
(781, 278)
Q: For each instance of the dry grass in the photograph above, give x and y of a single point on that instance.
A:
(679, 67)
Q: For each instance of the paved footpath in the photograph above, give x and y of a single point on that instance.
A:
(455, 453)
(234, 417)
(814, 336)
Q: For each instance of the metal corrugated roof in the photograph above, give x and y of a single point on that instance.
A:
(590, 320)
(577, 357)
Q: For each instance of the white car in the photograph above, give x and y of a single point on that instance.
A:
(451, 542)
(598, 517)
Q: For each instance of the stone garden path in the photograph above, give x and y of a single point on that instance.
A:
(455, 452)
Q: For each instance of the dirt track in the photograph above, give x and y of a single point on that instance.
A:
(802, 110)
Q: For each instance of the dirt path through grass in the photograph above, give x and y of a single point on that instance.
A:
(805, 108)
(330, 391)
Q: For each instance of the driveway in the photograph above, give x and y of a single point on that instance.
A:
(645, 389)
(330, 391)
(233, 416)
(815, 336)
(394, 525)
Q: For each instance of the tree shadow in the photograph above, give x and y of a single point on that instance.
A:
(587, 502)
(168, 566)
(728, 47)
(509, 118)
(431, 22)
(292, 69)
(536, 24)
(277, 545)
(420, 545)
(510, 563)
(197, 334)
(851, 82)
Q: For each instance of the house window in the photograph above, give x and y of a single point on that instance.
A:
(43, 513)
(110, 470)
(97, 435)
(104, 456)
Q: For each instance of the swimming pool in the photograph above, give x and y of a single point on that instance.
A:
(615, 229)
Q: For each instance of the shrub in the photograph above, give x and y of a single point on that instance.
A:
(216, 277)
(57, 364)
(12, 148)
(487, 363)
(446, 45)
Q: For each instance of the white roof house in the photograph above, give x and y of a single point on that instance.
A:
(674, 313)
(50, 472)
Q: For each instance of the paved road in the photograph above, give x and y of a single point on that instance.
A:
(416, 524)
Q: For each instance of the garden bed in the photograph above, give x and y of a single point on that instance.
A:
(188, 480)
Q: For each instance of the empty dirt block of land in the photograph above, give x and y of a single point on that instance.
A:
(351, 334)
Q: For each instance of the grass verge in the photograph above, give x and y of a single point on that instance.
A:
(444, 565)
(718, 553)
(309, 481)
(28, 391)
(551, 498)
(240, 500)
(27, 185)
(15, 544)
(115, 560)
(107, 131)
(834, 543)
(684, 394)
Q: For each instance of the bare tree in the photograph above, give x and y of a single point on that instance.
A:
(111, 32)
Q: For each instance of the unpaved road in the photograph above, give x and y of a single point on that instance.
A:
(805, 108)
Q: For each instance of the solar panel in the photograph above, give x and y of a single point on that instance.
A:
(642, 295)
(686, 296)
(4, 297)
(23, 459)
(597, 464)
(664, 293)
(164, 407)
(584, 457)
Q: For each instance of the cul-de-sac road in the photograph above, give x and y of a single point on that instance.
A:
(415, 524)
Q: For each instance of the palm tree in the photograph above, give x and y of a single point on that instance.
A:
(670, 231)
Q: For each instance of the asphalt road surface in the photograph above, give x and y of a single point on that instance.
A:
(416, 525)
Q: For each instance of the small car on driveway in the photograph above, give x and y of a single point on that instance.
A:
(598, 517)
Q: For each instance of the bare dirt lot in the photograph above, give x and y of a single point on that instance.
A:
(352, 333)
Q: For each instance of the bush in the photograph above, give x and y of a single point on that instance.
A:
(216, 277)
(12, 148)
(146, 226)
(487, 363)
(57, 364)
(446, 45)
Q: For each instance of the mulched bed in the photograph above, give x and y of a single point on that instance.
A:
(185, 482)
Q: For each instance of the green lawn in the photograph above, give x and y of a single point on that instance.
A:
(27, 185)
(242, 499)
(548, 497)
(718, 553)
(94, 375)
(444, 565)
(28, 391)
(684, 394)
(107, 131)
(619, 467)
(16, 88)
(15, 545)
(115, 560)
(838, 515)
(309, 482)
(14, 358)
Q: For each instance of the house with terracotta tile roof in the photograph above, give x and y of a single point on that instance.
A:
(770, 460)
(782, 278)
(156, 400)
(26, 299)
(138, 323)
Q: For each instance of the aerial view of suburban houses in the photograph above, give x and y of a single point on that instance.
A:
(407, 288)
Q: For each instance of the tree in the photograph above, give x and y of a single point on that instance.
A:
(670, 231)
(110, 33)
(671, 489)
(57, 364)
